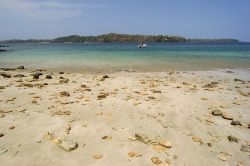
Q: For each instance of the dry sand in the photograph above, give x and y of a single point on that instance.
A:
(125, 118)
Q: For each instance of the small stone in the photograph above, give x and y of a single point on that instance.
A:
(67, 145)
(209, 144)
(2, 115)
(1, 134)
(2, 87)
(107, 137)
(97, 156)
(156, 91)
(19, 75)
(175, 157)
(165, 144)
(65, 80)
(37, 75)
(64, 94)
(235, 122)
(101, 96)
(232, 139)
(134, 154)
(224, 156)
(156, 160)
(151, 97)
(245, 148)
(4, 75)
(48, 77)
(216, 112)
(105, 76)
(61, 72)
(197, 139)
(83, 86)
(227, 116)
(20, 67)
(2, 151)
(11, 127)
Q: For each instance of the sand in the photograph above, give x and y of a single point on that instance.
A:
(125, 118)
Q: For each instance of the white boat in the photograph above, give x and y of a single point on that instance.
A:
(142, 45)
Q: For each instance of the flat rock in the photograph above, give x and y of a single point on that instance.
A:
(227, 116)
(67, 145)
(216, 112)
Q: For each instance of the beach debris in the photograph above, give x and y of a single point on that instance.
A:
(67, 145)
(4, 75)
(224, 156)
(104, 77)
(216, 112)
(107, 137)
(134, 154)
(62, 113)
(245, 148)
(227, 116)
(156, 160)
(197, 139)
(235, 123)
(97, 156)
(48, 76)
(64, 94)
(20, 67)
(3, 150)
(238, 80)
(232, 139)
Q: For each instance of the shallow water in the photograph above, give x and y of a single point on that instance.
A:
(117, 56)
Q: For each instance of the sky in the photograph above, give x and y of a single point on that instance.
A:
(48, 19)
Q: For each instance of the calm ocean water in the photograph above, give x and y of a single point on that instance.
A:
(116, 56)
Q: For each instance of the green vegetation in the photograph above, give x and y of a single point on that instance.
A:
(114, 37)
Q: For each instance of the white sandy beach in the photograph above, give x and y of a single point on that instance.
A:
(125, 118)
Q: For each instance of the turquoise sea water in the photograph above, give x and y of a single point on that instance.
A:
(117, 56)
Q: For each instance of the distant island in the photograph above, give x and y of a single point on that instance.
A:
(114, 37)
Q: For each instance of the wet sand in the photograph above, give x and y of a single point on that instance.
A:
(189, 118)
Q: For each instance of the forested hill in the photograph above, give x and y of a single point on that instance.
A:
(114, 37)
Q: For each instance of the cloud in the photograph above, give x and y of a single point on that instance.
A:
(49, 9)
